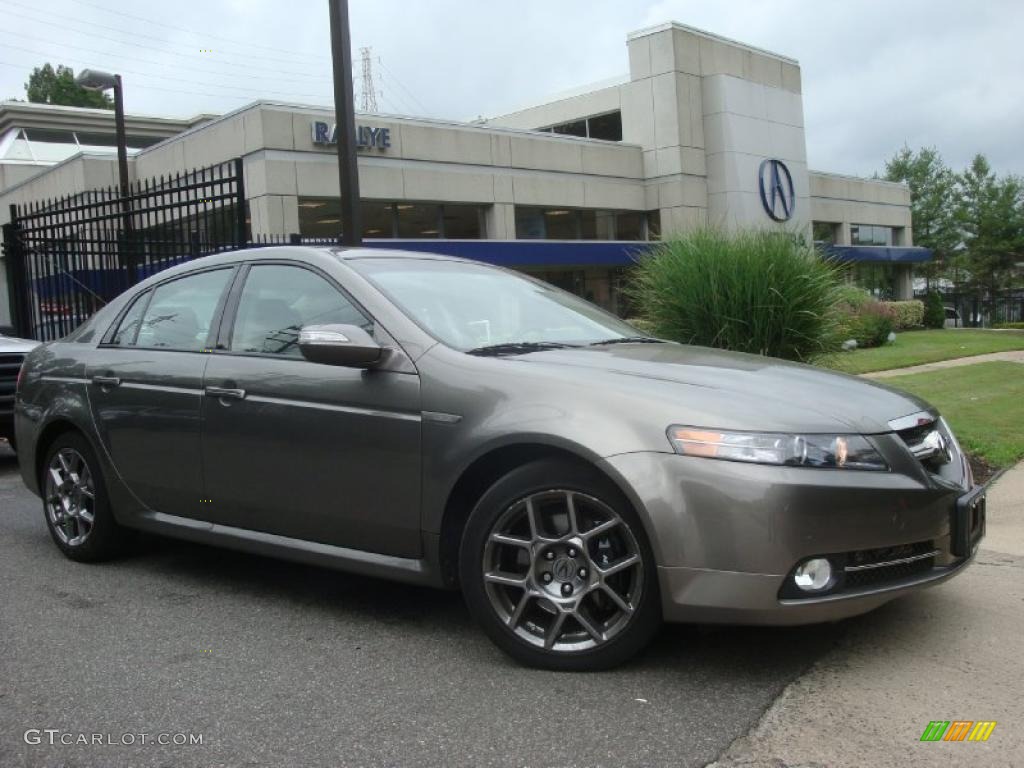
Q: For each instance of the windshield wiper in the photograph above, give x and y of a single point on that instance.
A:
(628, 340)
(519, 347)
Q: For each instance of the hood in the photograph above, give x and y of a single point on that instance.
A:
(732, 390)
(10, 345)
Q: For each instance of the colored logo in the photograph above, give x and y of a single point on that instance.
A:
(958, 730)
(778, 196)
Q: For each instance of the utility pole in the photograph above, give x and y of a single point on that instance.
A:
(368, 103)
(345, 121)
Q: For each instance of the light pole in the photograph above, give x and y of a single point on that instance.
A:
(345, 122)
(95, 80)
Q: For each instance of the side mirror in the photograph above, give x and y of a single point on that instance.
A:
(346, 345)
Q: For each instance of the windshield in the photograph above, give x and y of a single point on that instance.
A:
(469, 306)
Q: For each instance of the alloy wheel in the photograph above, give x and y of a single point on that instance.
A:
(563, 571)
(70, 497)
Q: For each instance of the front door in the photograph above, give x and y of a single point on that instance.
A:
(304, 450)
(145, 390)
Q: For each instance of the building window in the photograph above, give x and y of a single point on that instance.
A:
(575, 128)
(416, 221)
(654, 225)
(463, 222)
(588, 224)
(869, 234)
(377, 220)
(824, 232)
(597, 225)
(561, 224)
(630, 225)
(321, 217)
(607, 127)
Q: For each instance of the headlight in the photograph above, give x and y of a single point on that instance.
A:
(829, 451)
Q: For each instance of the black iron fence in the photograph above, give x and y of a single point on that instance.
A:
(973, 310)
(66, 257)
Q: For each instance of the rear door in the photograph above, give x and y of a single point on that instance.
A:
(304, 450)
(145, 388)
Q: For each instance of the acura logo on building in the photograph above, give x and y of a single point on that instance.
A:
(777, 194)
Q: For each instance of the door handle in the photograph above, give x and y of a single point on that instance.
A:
(106, 381)
(225, 393)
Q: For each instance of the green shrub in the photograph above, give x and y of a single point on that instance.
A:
(1009, 326)
(751, 291)
(934, 311)
(907, 314)
(872, 325)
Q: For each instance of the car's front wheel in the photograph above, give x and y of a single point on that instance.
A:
(556, 568)
(75, 502)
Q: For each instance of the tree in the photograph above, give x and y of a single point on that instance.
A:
(932, 203)
(990, 215)
(48, 86)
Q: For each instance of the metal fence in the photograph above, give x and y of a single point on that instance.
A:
(984, 311)
(66, 257)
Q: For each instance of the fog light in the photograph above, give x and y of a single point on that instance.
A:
(813, 575)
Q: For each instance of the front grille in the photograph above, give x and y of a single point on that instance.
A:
(9, 367)
(887, 574)
(867, 557)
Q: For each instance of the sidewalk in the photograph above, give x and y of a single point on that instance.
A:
(952, 652)
(1015, 356)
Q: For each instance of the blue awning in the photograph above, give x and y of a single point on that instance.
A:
(879, 254)
(529, 253)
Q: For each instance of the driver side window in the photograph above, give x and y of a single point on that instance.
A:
(278, 301)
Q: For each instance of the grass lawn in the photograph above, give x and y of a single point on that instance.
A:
(983, 403)
(918, 347)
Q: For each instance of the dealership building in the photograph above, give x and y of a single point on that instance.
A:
(703, 130)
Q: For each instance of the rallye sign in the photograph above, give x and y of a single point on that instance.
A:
(366, 136)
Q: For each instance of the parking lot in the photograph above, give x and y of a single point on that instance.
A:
(278, 664)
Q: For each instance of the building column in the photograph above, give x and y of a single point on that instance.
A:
(500, 221)
(843, 233)
(274, 215)
(903, 282)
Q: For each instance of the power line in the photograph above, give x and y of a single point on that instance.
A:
(202, 70)
(124, 32)
(165, 51)
(398, 82)
(172, 79)
(163, 24)
(153, 87)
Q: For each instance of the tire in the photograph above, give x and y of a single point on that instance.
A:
(544, 553)
(68, 507)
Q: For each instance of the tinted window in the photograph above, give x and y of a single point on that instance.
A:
(278, 301)
(180, 313)
(129, 328)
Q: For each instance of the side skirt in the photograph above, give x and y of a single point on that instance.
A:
(408, 570)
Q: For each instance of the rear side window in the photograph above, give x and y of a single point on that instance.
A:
(181, 311)
(278, 301)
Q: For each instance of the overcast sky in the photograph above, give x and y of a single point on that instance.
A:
(876, 75)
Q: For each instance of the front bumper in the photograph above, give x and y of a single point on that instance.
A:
(726, 536)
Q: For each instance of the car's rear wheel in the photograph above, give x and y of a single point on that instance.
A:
(556, 568)
(75, 502)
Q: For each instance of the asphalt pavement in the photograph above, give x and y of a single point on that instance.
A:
(276, 664)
